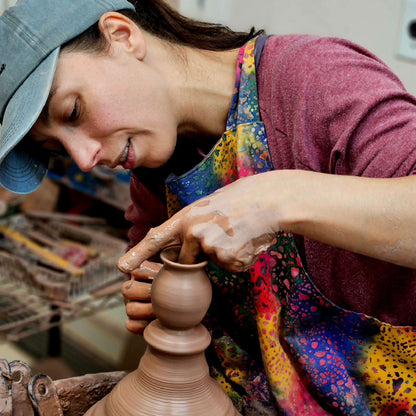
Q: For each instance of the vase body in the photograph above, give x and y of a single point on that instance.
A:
(173, 376)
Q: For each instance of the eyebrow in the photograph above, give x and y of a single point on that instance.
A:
(45, 114)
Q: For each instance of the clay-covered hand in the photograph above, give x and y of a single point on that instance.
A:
(136, 292)
(374, 217)
(232, 227)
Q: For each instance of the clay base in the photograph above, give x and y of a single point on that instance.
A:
(173, 376)
(145, 392)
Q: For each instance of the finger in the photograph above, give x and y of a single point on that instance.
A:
(232, 260)
(147, 270)
(133, 290)
(155, 240)
(189, 251)
(139, 310)
(137, 327)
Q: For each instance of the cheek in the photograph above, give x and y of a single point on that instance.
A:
(111, 105)
(107, 116)
(155, 148)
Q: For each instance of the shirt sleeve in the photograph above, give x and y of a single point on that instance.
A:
(336, 108)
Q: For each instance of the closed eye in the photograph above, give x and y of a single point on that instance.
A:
(75, 112)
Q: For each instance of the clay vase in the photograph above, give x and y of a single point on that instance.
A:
(173, 376)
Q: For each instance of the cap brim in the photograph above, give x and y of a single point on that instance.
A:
(22, 167)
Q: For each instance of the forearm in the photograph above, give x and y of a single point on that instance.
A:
(374, 217)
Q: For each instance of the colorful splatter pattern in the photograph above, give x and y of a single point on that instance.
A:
(279, 346)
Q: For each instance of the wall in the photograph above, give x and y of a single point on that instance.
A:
(374, 24)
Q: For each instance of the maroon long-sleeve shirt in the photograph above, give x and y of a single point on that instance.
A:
(328, 106)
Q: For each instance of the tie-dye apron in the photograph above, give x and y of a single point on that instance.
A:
(279, 346)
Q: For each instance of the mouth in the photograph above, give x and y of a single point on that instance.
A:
(125, 154)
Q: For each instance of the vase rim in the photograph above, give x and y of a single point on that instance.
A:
(170, 254)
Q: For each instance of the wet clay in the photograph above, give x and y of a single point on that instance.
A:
(173, 376)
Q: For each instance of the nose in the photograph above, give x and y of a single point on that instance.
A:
(84, 150)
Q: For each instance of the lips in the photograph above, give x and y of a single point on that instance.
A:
(123, 158)
(125, 154)
(128, 158)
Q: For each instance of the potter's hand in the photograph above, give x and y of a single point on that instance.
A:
(136, 292)
(232, 226)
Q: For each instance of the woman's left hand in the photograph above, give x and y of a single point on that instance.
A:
(137, 296)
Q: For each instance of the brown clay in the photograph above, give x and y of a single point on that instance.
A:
(173, 376)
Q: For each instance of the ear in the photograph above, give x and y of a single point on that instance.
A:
(122, 31)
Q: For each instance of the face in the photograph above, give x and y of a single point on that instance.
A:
(108, 110)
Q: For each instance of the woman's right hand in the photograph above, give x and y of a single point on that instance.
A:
(232, 226)
(136, 292)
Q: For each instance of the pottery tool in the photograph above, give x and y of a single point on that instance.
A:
(51, 268)
(41, 252)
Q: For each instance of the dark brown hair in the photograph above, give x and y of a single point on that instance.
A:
(161, 20)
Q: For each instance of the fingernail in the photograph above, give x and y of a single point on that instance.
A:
(124, 267)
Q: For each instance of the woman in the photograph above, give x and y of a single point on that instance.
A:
(292, 160)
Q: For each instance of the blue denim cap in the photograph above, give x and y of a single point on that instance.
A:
(31, 34)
